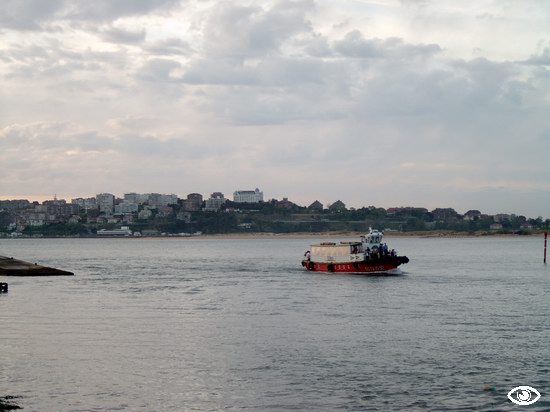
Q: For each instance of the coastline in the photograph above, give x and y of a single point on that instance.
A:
(353, 235)
(302, 235)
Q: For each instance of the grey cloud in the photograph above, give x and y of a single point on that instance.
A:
(312, 78)
(293, 74)
(32, 52)
(269, 72)
(173, 147)
(27, 53)
(491, 85)
(117, 35)
(118, 59)
(244, 105)
(542, 59)
(92, 141)
(10, 164)
(356, 45)
(50, 68)
(150, 146)
(417, 3)
(107, 10)
(219, 71)
(50, 58)
(461, 112)
(37, 14)
(169, 47)
(160, 70)
(134, 122)
(459, 90)
(52, 137)
(28, 14)
(318, 46)
(247, 31)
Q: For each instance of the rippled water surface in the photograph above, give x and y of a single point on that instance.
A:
(220, 324)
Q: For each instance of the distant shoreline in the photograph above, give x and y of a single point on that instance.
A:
(301, 235)
(423, 234)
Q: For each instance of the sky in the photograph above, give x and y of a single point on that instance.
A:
(387, 102)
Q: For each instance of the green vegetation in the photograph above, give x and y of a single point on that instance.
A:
(57, 229)
(279, 217)
(268, 217)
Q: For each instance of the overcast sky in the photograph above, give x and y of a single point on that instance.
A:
(388, 102)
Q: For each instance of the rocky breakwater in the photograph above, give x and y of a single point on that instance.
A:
(15, 267)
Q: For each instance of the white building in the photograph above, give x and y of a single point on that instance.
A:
(126, 207)
(167, 200)
(123, 231)
(248, 196)
(86, 204)
(158, 200)
(129, 205)
(132, 198)
(105, 202)
(215, 202)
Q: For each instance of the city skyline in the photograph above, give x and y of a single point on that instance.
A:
(387, 102)
(204, 196)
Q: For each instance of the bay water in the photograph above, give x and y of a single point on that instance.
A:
(209, 324)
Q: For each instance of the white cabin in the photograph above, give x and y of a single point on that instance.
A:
(346, 252)
(373, 239)
(337, 252)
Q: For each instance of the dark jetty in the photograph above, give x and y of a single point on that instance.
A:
(6, 403)
(14, 267)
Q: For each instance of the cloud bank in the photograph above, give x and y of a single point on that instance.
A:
(389, 103)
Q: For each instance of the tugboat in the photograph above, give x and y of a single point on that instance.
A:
(366, 256)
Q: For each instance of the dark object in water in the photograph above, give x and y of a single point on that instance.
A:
(15, 267)
(3, 287)
(6, 403)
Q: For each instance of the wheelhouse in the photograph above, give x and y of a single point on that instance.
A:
(373, 240)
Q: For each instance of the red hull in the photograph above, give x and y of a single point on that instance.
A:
(382, 265)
